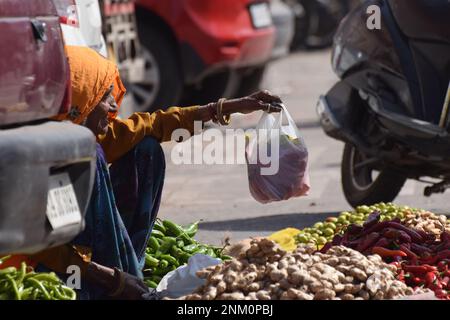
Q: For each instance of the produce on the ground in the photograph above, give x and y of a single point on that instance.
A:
(266, 272)
(390, 251)
(170, 246)
(434, 277)
(322, 232)
(25, 284)
(427, 221)
(235, 250)
(286, 238)
(422, 258)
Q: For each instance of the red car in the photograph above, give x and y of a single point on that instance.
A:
(198, 51)
(46, 167)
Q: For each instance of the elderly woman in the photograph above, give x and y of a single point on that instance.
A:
(125, 200)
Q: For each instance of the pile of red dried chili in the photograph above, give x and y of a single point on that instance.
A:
(421, 259)
(428, 276)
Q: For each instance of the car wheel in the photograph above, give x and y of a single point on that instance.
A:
(360, 183)
(324, 22)
(211, 88)
(251, 82)
(163, 82)
(301, 14)
(316, 22)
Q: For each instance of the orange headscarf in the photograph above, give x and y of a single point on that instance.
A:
(91, 76)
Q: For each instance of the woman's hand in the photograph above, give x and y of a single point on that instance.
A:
(261, 100)
(128, 287)
(117, 284)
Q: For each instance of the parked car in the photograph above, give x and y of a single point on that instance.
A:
(81, 23)
(122, 41)
(198, 51)
(316, 21)
(46, 167)
(107, 26)
(284, 21)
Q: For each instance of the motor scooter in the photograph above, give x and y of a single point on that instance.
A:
(391, 105)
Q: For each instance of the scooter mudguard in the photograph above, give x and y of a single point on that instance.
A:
(336, 112)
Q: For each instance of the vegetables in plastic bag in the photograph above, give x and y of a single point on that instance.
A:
(277, 160)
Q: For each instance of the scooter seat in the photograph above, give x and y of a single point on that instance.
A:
(423, 19)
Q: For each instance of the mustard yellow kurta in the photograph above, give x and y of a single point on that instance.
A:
(124, 134)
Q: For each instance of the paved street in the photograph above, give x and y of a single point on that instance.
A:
(219, 195)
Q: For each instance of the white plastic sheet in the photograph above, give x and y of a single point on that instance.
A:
(183, 280)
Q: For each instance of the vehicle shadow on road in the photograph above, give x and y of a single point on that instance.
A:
(268, 223)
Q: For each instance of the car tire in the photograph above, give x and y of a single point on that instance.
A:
(302, 16)
(163, 85)
(211, 88)
(251, 82)
(316, 27)
(359, 188)
(325, 21)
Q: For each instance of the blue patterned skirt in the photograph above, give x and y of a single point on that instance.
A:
(122, 210)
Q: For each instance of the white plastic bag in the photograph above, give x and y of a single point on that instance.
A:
(277, 160)
(183, 280)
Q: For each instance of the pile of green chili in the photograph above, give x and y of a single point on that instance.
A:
(25, 284)
(170, 246)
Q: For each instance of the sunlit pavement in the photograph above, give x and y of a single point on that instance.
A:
(219, 195)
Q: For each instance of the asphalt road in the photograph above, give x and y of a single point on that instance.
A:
(219, 195)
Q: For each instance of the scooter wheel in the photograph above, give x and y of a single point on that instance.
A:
(361, 186)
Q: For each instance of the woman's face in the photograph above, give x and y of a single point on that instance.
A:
(97, 120)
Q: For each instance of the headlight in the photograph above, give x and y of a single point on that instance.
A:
(349, 39)
(344, 58)
(335, 57)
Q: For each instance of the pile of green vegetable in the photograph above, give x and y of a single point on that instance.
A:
(322, 232)
(25, 284)
(170, 246)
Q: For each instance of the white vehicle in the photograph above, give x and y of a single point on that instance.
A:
(81, 23)
(108, 27)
